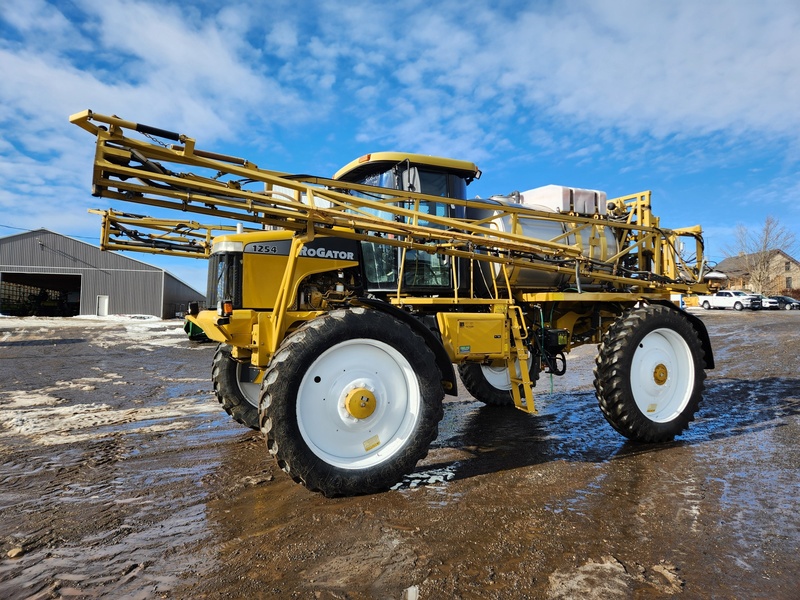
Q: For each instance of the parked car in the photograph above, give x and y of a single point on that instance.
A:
(769, 303)
(735, 299)
(787, 302)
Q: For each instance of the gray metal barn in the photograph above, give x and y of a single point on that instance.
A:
(48, 274)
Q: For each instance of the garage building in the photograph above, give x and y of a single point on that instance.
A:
(47, 274)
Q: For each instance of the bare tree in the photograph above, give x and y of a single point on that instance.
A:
(755, 251)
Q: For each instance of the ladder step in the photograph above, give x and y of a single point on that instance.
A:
(520, 355)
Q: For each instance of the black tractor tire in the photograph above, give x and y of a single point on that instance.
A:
(237, 397)
(490, 385)
(649, 374)
(311, 426)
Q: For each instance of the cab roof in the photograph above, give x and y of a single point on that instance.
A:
(368, 162)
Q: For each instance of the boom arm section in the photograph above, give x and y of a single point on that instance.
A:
(231, 189)
(125, 231)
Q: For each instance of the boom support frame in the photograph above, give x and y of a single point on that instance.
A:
(216, 185)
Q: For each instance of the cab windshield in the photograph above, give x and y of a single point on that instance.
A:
(420, 269)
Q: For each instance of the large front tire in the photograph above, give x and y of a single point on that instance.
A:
(492, 384)
(350, 402)
(650, 374)
(236, 387)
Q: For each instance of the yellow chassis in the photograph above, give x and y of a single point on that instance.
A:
(184, 178)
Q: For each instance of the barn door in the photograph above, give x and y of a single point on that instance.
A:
(102, 306)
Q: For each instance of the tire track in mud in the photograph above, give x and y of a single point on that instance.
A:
(505, 506)
(95, 459)
(554, 506)
(114, 503)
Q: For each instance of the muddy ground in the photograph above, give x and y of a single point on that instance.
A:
(121, 477)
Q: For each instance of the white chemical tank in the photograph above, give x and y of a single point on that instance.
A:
(599, 243)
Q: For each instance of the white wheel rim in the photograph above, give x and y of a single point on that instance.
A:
(662, 375)
(498, 377)
(327, 427)
(249, 390)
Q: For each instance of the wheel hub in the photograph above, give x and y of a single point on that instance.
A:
(660, 374)
(360, 403)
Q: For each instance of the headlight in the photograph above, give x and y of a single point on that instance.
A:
(223, 246)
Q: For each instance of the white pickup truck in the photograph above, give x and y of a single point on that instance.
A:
(730, 299)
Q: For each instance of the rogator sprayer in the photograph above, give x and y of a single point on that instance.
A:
(342, 304)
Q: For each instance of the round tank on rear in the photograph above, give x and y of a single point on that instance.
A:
(603, 246)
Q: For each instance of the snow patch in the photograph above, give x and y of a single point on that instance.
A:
(48, 420)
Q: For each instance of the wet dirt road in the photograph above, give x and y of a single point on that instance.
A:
(121, 477)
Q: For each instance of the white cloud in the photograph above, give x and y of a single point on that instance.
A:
(779, 197)
(41, 24)
(678, 86)
(282, 39)
(641, 68)
(638, 68)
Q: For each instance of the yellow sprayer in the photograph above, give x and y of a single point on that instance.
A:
(344, 306)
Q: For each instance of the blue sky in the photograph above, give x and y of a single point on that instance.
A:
(697, 101)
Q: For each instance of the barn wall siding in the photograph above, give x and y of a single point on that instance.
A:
(132, 287)
(177, 295)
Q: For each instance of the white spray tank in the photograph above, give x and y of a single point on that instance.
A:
(551, 199)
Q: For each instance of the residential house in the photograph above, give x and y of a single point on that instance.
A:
(770, 274)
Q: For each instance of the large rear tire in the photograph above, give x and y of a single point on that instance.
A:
(492, 384)
(350, 402)
(235, 387)
(650, 374)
